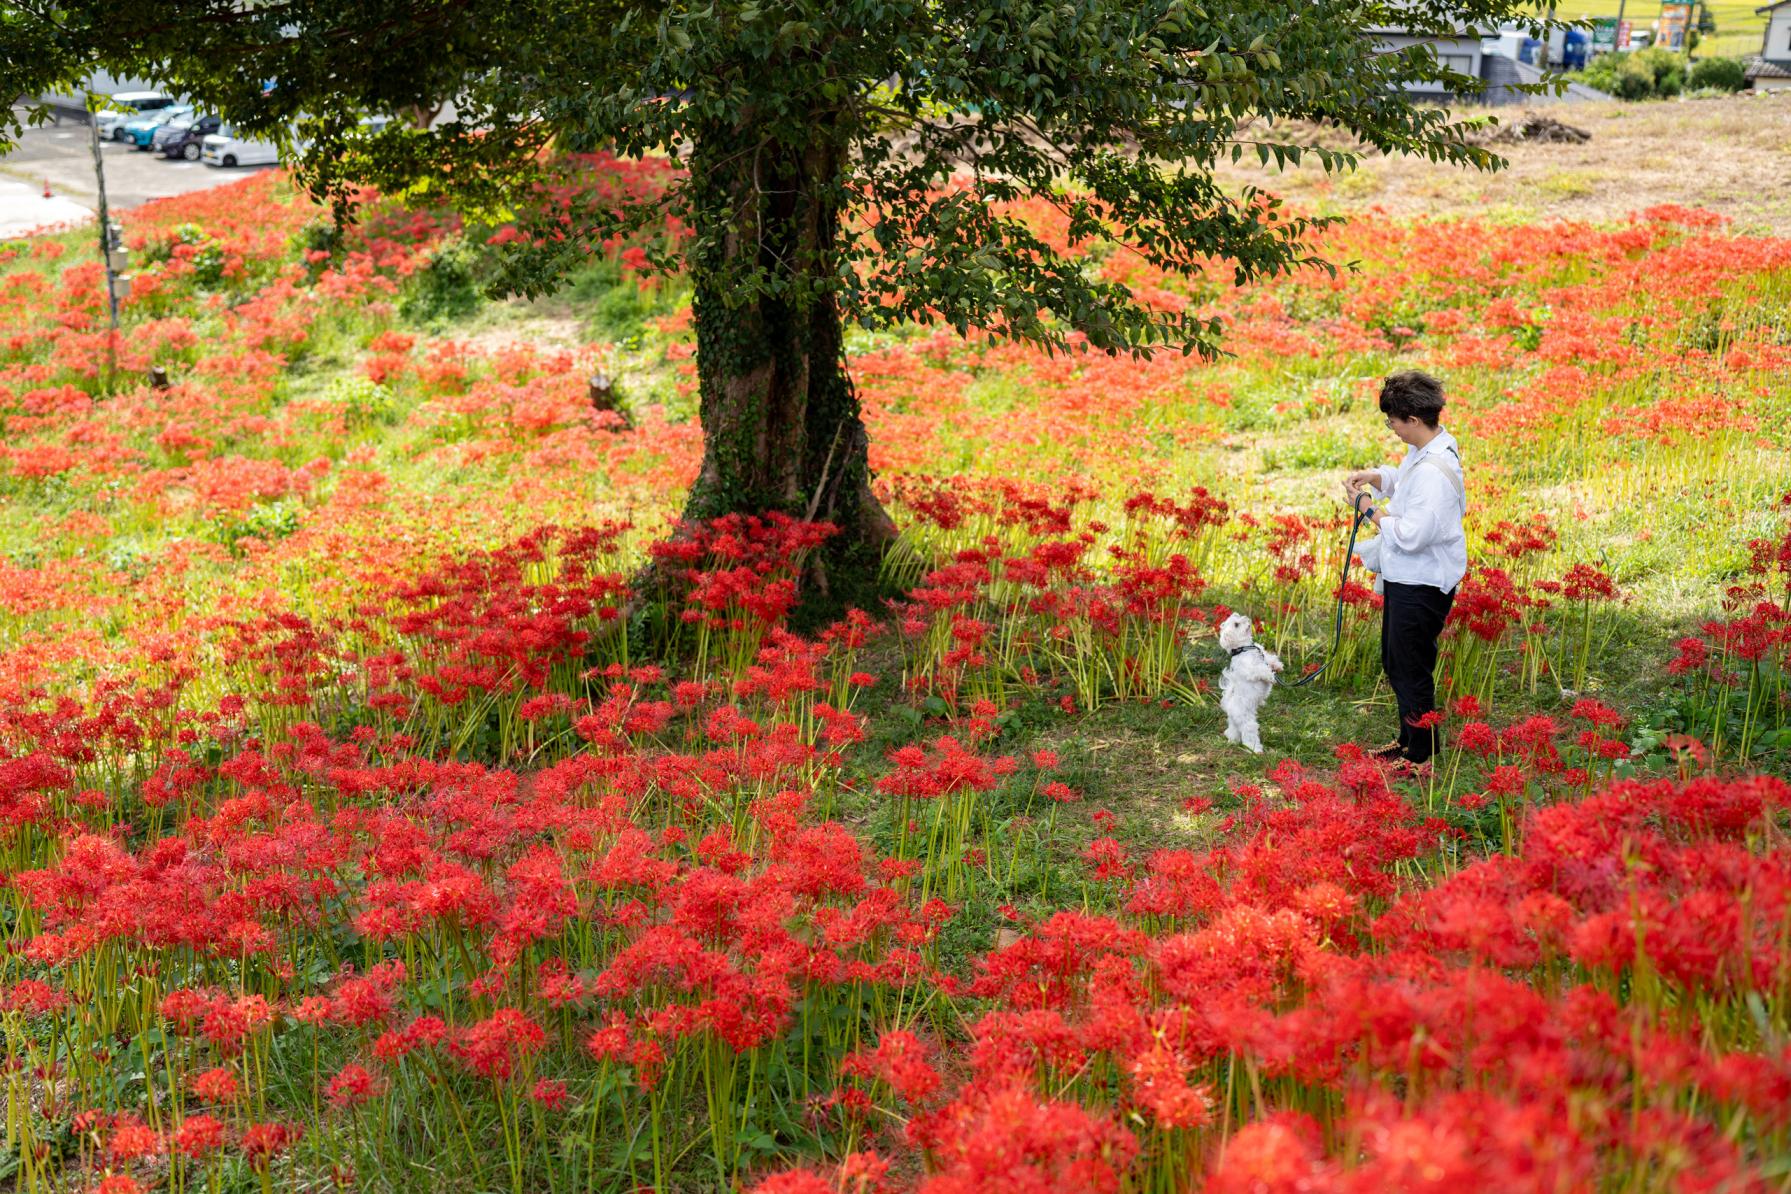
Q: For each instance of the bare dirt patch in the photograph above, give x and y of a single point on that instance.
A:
(1730, 155)
(522, 326)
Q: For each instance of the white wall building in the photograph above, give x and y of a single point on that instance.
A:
(1770, 70)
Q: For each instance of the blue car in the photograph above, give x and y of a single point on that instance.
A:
(141, 131)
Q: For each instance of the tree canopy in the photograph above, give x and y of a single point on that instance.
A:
(1115, 111)
(848, 160)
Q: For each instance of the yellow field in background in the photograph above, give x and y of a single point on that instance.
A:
(1738, 26)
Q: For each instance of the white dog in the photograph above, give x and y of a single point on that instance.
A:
(1246, 683)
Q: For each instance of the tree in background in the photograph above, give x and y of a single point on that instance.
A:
(1718, 74)
(1654, 73)
(848, 160)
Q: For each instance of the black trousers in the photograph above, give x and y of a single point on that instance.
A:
(1412, 617)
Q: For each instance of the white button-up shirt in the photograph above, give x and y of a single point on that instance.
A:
(1422, 540)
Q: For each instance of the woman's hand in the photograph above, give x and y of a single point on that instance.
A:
(1361, 477)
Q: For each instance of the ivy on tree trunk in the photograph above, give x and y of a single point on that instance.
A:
(781, 422)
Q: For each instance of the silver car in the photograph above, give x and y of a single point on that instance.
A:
(125, 106)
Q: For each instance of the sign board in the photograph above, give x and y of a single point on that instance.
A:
(1675, 19)
(1604, 35)
(1623, 35)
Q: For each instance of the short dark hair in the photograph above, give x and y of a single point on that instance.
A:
(1412, 395)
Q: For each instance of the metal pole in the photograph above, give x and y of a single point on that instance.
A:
(106, 247)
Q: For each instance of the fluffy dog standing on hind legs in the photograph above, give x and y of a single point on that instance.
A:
(1246, 682)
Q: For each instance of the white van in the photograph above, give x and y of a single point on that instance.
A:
(227, 147)
(126, 106)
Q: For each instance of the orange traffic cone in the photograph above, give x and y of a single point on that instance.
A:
(46, 188)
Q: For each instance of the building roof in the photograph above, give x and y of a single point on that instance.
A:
(1766, 68)
(1461, 31)
(1770, 7)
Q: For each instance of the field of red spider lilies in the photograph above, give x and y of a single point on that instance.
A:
(362, 831)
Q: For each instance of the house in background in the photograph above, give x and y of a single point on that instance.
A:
(1460, 53)
(1770, 69)
(1480, 56)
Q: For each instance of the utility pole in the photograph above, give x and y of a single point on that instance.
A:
(112, 251)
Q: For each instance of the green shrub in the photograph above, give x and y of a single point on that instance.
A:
(1668, 67)
(208, 262)
(320, 235)
(1718, 74)
(1654, 73)
(267, 521)
(364, 402)
(208, 266)
(450, 286)
(1634, 81)
(1601, 72)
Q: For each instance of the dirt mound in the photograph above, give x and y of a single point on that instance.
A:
(1536, 128)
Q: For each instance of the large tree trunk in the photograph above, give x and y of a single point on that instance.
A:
(781, 424)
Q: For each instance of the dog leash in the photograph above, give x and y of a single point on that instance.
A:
(1336, 636)
(1349, 555)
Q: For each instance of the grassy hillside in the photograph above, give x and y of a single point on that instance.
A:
(371, 820)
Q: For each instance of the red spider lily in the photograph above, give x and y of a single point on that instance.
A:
(216, 1085)
(1009, 1135)
(1488, 604)
(901, 1061)
(1280, 1155)
(492, 1047)
(1160, 1085)
(326, 760)
(550, 1094)
(261, 1142)
(1584, 582)
(352, 1086)
(130, 1139)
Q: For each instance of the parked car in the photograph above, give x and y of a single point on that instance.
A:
(180, 124)
(227, 147)
(141, 131)
(125, 106)
(177, 140)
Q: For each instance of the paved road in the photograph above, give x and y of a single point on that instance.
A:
(23, 209)
(60, 153)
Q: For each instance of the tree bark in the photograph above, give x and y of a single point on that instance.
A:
(781, 422)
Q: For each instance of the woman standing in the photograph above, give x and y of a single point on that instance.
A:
(1424, 551)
